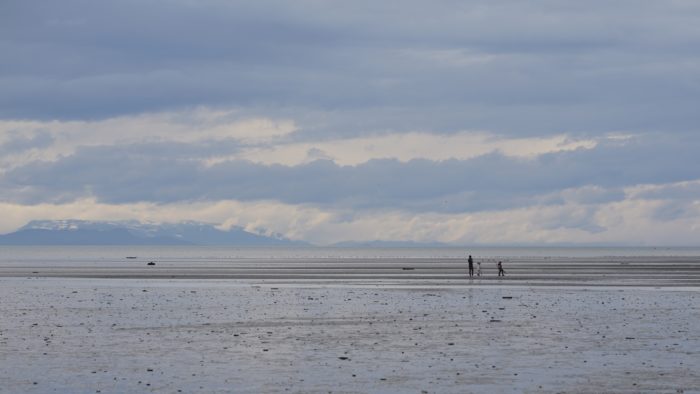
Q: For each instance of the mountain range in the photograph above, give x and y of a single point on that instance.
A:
(82, 232)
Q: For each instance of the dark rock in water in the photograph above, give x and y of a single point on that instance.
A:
(343, 358)
(507, 297)
(408, 268)
(151, 263)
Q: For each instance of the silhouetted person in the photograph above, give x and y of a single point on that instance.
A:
(501, 271)
(471, 266)
(478, 268)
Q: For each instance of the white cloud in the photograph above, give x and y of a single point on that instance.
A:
(624, 222)
(265, 140)
(294, 221)
(202, 124)
(408, 146)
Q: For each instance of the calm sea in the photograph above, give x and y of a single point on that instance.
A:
(89, 255)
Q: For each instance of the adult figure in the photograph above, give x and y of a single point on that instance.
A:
(501, 271)
(471, 266)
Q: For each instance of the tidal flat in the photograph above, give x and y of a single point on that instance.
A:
(115, 335)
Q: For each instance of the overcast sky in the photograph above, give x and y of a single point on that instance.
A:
(466, 122)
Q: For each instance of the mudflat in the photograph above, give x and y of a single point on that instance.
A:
(402, 325)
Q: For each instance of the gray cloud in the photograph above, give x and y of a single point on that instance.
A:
(582, 219)
(674, 210)
(131, 173)
(19, 143)
(511, 67)
(593, 195)
(684, 192)
(678, 201)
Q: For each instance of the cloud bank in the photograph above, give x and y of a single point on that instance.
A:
(463, 122)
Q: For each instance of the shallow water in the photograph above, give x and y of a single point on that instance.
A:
(198, 254)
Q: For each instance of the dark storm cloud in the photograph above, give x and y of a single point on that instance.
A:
(511, 67)
(132, 173)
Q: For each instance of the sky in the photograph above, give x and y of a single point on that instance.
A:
(465, 122)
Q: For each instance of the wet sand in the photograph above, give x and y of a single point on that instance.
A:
(618, 271)
(595, 325)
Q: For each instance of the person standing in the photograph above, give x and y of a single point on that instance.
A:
(478, 268)
(501, 271)
(471, 266)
